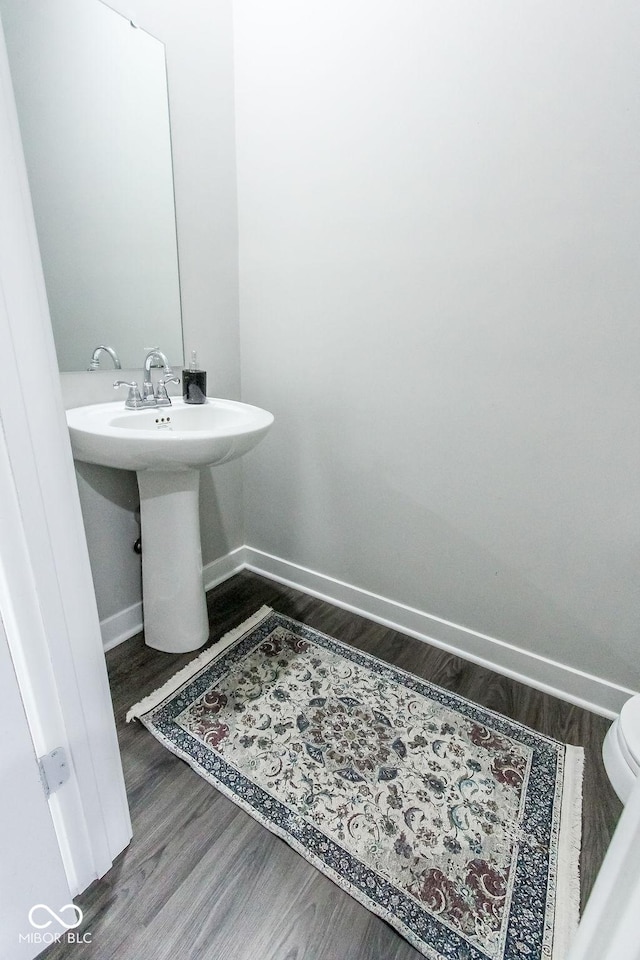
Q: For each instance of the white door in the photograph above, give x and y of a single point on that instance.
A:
(31, 870)
(46, 591)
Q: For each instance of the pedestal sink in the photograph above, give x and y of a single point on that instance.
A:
(166, 446)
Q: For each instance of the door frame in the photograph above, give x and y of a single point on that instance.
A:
(46, 590)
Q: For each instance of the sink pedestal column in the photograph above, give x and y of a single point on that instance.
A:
(173, 597)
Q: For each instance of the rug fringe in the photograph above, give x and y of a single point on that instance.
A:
(206, 657)
(567, 908)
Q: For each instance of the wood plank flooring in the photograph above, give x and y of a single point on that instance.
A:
(202, 880)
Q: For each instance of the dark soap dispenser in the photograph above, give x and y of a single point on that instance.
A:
(194, 382)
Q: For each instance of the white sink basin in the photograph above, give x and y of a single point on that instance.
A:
(165, 438)
(166, 446)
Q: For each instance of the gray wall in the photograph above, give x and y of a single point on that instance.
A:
(439, 216)
(198, 39)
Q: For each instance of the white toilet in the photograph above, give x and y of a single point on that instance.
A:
(621, 749)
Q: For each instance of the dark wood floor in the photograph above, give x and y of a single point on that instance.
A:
(202, 880)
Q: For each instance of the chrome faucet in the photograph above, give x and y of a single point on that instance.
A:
(95, 358)
(150, 396)
(158, 397)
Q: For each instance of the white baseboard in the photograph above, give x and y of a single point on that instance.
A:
(568, 683)
(224, 567)
(119, 627)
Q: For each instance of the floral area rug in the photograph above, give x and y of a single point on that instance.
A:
(458, 826)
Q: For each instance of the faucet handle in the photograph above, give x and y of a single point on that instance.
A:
(134, 400)
(162, 397)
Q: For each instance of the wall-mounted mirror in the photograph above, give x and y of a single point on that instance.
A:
(91, 91)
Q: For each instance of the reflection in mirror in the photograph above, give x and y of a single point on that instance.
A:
(91, 91)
